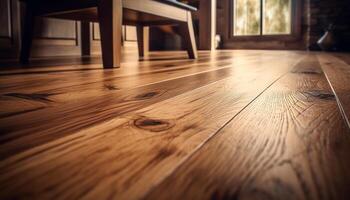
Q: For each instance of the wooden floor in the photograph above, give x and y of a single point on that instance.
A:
(230, 125)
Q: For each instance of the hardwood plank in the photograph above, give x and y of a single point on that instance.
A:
(343, 56)
(62, 80)
(125, 157)
(64, 89)
(34, 92)
(57, 121)
(16, 104)
(290, 143)
(20, 81)
(338, 75)
(130, 61)
(131, 68)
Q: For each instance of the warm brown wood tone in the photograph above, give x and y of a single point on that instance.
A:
(110, 14)
(71, 93)
(338, 74)
(85, 39)
(231, 124)
(188, 37)
(27, 35)
(289, 143)
(143, 40)
(207, 24)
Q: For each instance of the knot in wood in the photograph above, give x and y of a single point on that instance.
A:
(325, 95)
(147, 95)
(154, 125)
(307, 71)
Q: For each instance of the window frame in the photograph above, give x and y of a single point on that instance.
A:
(295, 26)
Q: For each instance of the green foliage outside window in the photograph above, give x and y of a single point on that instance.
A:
(275, 17)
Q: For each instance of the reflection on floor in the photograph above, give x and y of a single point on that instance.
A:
(230, 125)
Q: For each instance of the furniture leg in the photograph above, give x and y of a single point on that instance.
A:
(143, 40)
(110, 14)
(27, 35)
(85, 39)
(188, 37)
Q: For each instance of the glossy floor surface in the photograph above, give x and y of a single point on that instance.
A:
(240, 124)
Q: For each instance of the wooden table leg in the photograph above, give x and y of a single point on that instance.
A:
(143, 40)
(27, 34)
(85, 39)
(188, 36)
(110, 14)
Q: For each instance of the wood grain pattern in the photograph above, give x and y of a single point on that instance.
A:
(64, 119)
(68, 87)
(59, 106)
(290, 143)
(338, 74)
(18, 90)
(230, 125)
(133, 152)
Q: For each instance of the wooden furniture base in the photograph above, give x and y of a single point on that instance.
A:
(111, 14)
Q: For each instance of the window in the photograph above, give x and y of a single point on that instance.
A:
(262, 17)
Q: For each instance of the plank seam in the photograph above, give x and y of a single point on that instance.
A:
(340, 105)
(213, 135)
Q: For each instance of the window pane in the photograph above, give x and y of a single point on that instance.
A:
(277, 17)
(246, 17)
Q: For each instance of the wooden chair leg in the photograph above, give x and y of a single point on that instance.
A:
(110, 13)
(85, 39)
(188, 37)
(143, 40)
(27, 35)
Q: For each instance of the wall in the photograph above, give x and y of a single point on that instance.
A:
(52, 37)
(324, 12)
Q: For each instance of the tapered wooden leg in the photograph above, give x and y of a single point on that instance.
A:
(188, 37)
(85, 39)
(143, 40)
(110, 13)
(27, 35)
